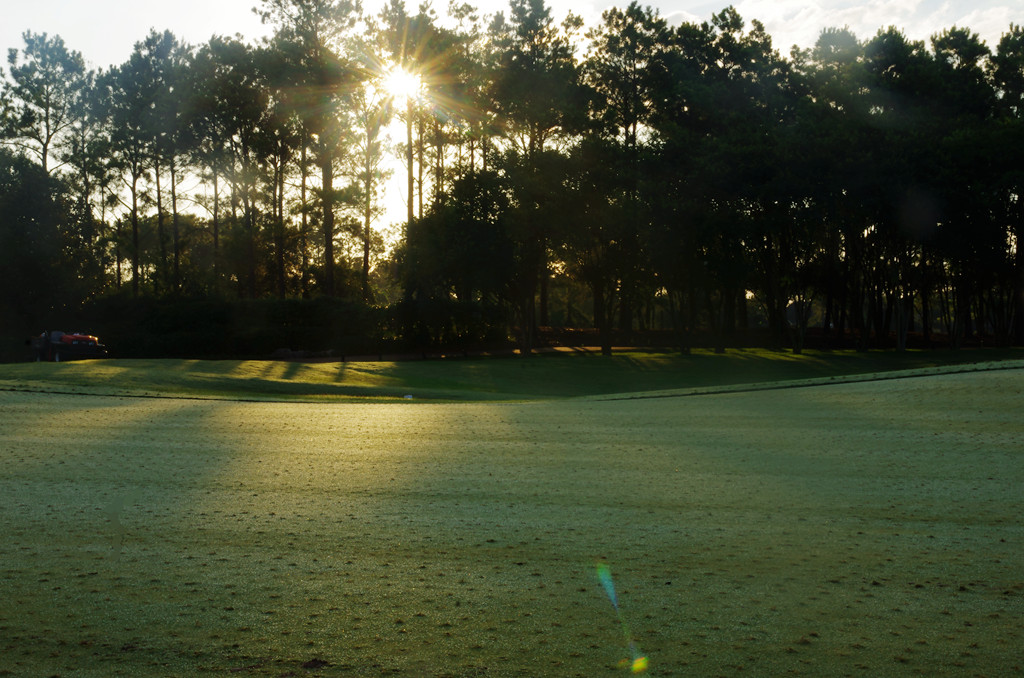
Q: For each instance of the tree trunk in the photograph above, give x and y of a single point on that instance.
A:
(904, 314)
(135, 232)
(601, 317)
(117, 254)
(1018, 297)
(368, 210)
(1018, 274)
(716, 316)
(527, 318)
(174, 227)
(926, 319)
(545, 280)
(625, 310)
(438, 162)
(216, 229)
(279, 229)
(419, 168)
(798, 331)
(327, 176)
(249, 211)
(160, 279)
(305, 223)
(409, 160)
(678, 314)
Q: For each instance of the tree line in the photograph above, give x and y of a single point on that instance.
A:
(630, 176)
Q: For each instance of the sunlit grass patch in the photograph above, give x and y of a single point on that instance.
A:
(510, 378)
(861, 528)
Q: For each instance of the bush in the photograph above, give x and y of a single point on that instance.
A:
(203, 328)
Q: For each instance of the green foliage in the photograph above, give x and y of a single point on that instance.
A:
(35, 273)
(46, 85)
(690, 178)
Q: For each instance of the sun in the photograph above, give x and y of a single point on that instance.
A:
(402, 85)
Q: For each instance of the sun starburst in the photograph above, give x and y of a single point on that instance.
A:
(402, 85)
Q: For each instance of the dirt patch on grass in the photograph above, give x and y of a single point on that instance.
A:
(863, 529)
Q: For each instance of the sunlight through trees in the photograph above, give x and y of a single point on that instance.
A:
(481, 178)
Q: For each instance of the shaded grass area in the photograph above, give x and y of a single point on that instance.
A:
(541, 376)
(859, 529)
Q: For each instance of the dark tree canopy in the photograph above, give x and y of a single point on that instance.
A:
(687, 182)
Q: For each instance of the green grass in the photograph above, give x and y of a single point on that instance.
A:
(850, 529)
(540, 376)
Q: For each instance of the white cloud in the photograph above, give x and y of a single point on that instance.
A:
(105, 30)
(799, 22)
(991, 23)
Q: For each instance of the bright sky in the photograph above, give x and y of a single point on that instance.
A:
(105, 30)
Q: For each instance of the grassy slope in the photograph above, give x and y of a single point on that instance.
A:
(862, 529)
(541, 376)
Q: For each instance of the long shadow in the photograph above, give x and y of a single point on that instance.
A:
(292, 370)
(774, 530)
(771, 519)
(102, 535)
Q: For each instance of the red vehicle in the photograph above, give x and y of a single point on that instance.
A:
(59, 346)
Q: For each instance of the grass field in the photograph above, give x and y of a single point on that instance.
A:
(461, 380)
(863, 529)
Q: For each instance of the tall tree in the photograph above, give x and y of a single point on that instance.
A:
(537, 97)
(1007, 75)
(625, 66)
(684, 120)
(834, 123)
(128, 98)
(145, 129)
(319, 29)
(90, 174)
(46, 81)
(168, 58)
(372, 111)
(242, 99)
(626, 70)
(33, 270)
(536, 91)
(589, 238)
(429, 58)
(971, 237)
(281, 137)
(373, 107)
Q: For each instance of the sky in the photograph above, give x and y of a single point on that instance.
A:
(104, 31)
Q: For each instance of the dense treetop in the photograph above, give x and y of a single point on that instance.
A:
(630, 175)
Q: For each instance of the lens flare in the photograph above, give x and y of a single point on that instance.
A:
(604, 574)
(637, 663)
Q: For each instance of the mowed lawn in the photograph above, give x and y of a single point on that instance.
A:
(864, 529)
(551, 375)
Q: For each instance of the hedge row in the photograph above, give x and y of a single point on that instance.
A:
(205, 328)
